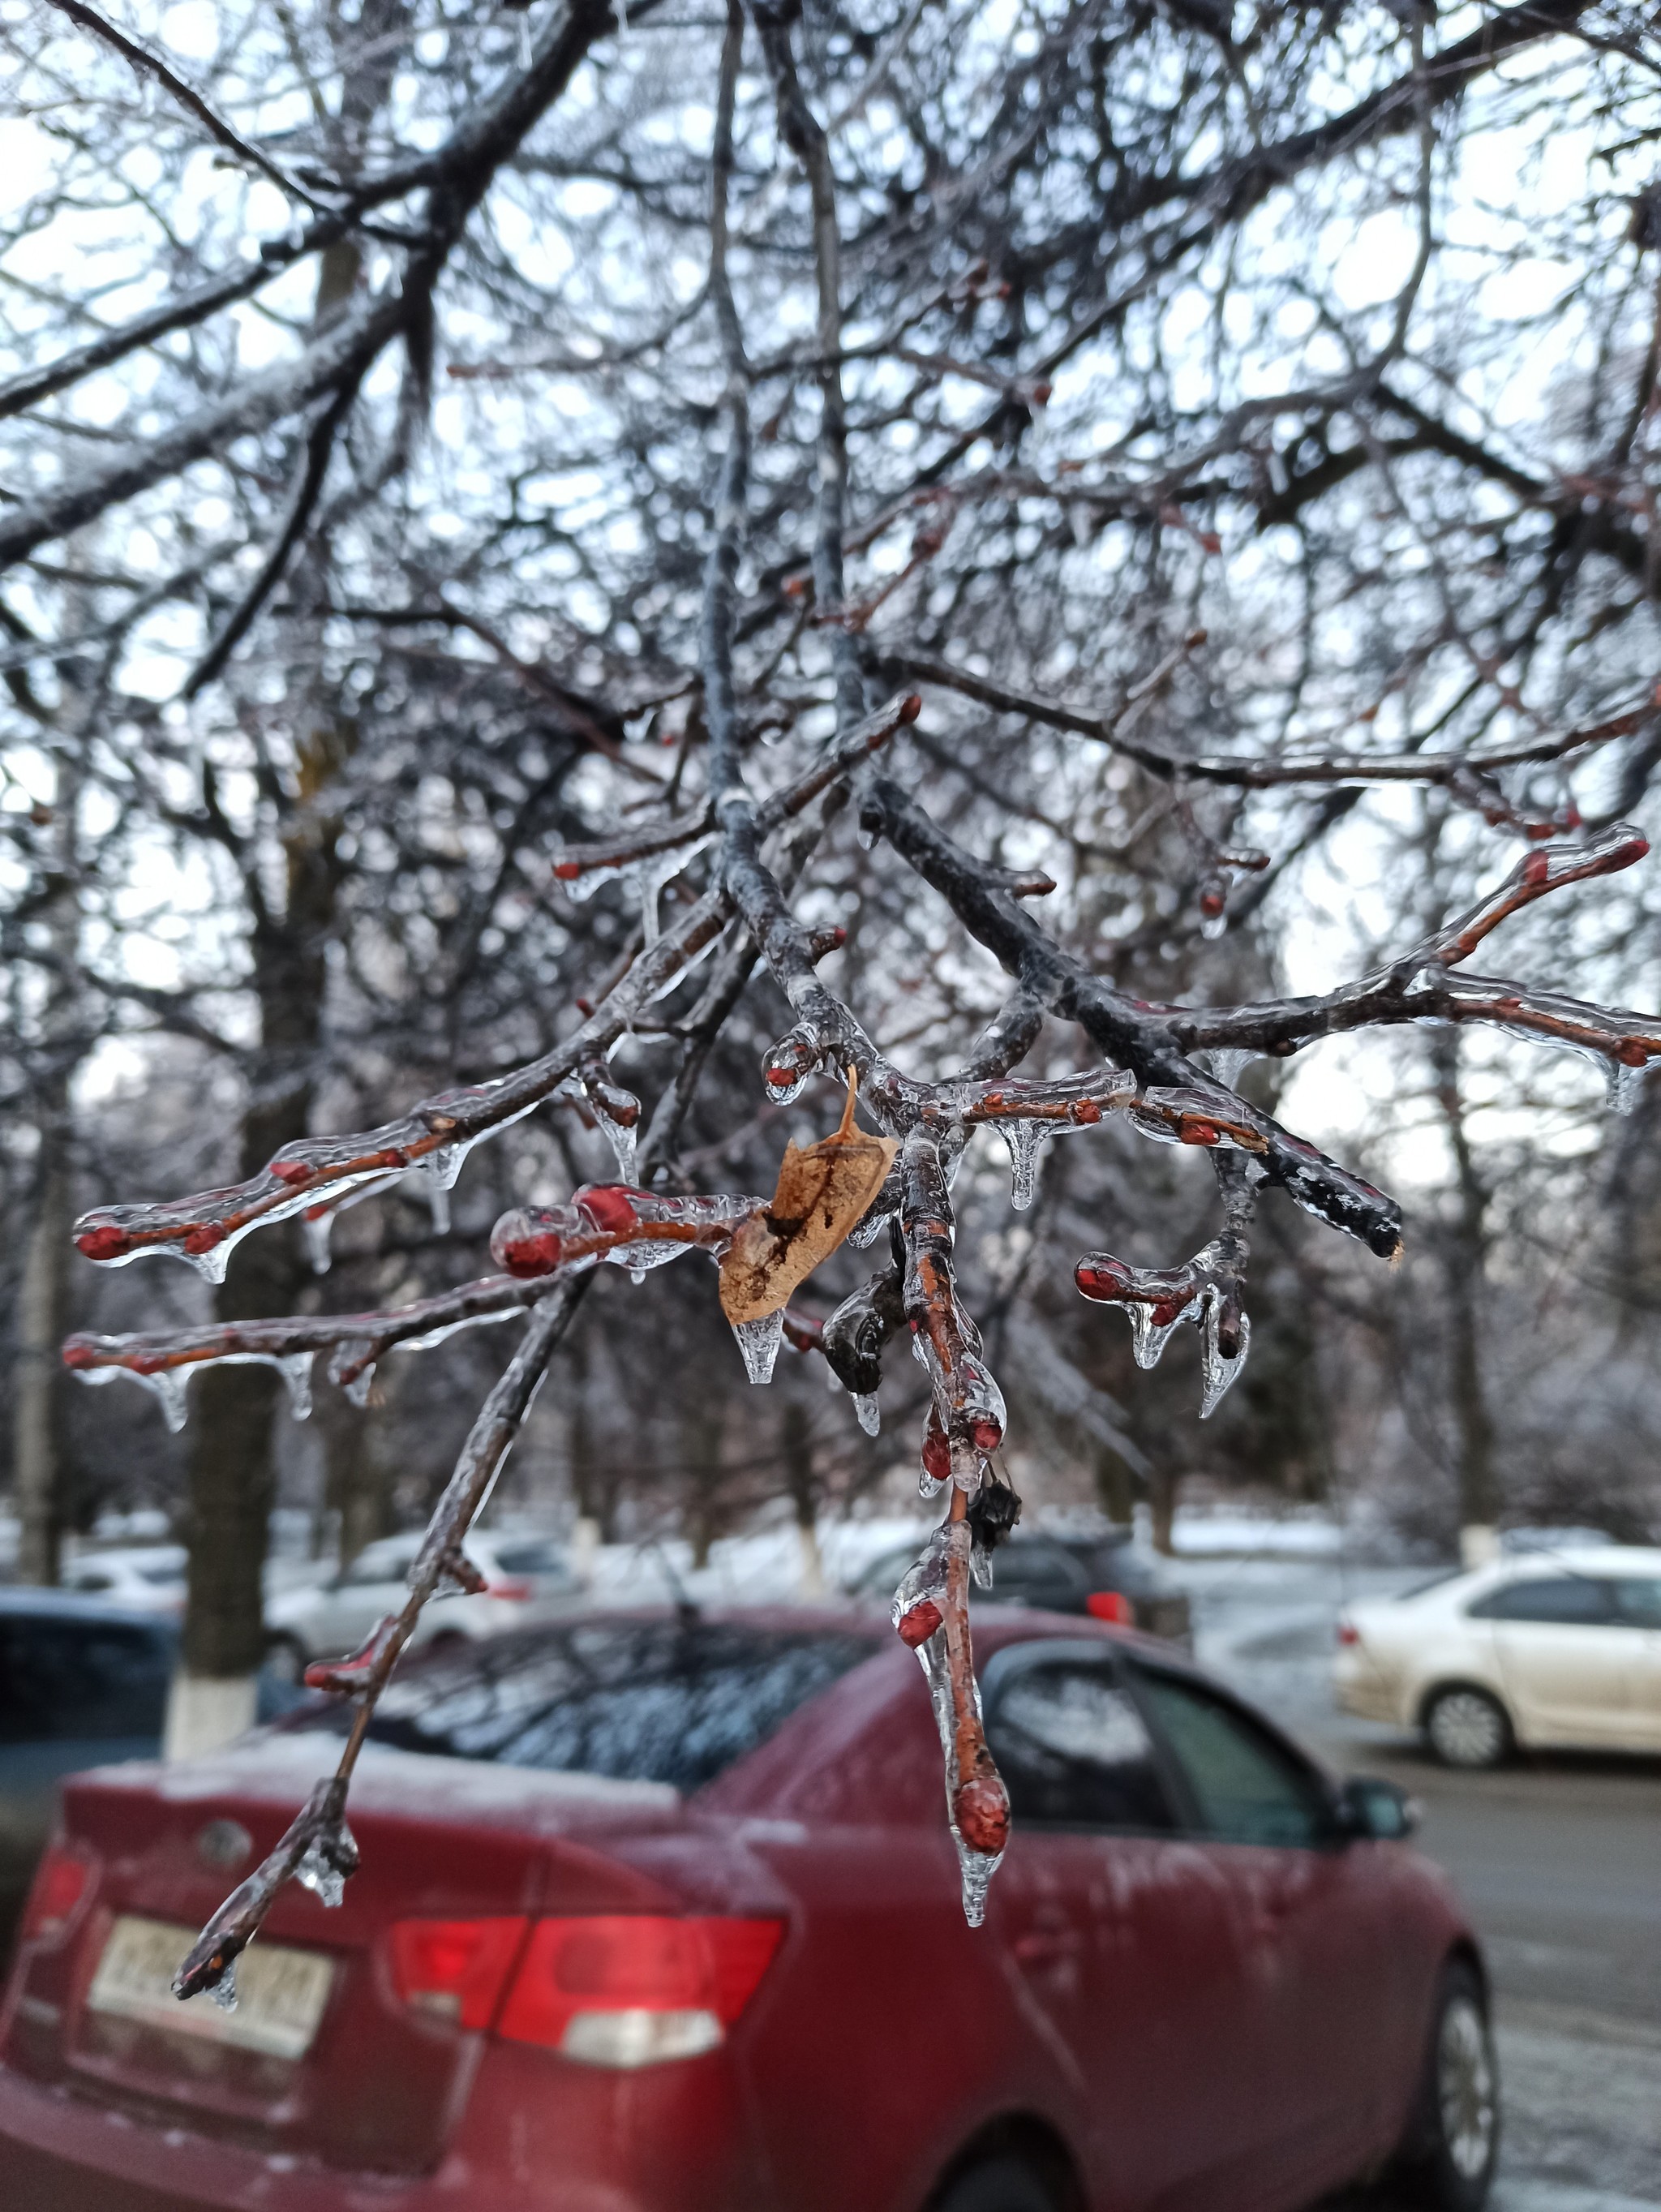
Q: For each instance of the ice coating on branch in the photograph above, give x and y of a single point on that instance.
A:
(1149, 1337)
(865, 1233)
(223, 1991)
(758, 1343)
(1178, 1115)
(869, 1411)
(1026, 1141)
(616, 1222)
(792, 1061)
(168, 1383)
(976, 1802)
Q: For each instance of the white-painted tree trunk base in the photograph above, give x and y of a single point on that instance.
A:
(1479, 1545)
(205, 1711)
(813, 1564)
(584, 1543)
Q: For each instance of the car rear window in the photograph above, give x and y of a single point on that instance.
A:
(639, 1700)
(80, 1681)
(1569, 1601)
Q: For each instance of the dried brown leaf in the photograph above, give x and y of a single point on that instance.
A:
(822, 1193)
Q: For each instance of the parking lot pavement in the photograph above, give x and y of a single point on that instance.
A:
(1559, 1862)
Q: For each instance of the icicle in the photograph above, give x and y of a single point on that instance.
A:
(1149, 1337)
(357, 1390)
(438, 1198)
(1227, 1062)
(167, 1383)
(296, 1370)
(1214, 925)
(649, 876)
(210, 1265)
(1026, 1141)
(620, 1136)
(223, 1991)
(317, 1872)
(1218, 1373)
(759, 1341)
(317, 1227)
(866, 833)
(1626, 1086)
(870, 1413)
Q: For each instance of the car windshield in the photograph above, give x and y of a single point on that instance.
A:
(639, 1700)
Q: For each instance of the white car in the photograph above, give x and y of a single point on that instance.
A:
(1559, 1649)
(144, 1577)
(327, 1620)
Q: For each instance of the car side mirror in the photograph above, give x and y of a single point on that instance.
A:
(1378, 1811)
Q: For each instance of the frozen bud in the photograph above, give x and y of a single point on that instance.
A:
(525, 1243)
(1102, 1277)
(1214, 897)
(609, 1206)
(937, 1449)
(917, 1625)
(788, 1065)
(292, 1171)
(102, 1240)
(980, 1814)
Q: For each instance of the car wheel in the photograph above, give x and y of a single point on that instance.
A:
(285, 1660)
(1000, 2185)
(1453, 2143)
(1465, 1727)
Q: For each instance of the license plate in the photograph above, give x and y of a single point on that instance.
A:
(281, 1992)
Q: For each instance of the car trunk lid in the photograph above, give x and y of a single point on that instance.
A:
(321, 2057)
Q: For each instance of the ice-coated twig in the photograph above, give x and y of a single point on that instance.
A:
(321, 1826)
(437, 1133)
(1207, 1289)
(1261, 771)
(318, 1832)
(365, 1337)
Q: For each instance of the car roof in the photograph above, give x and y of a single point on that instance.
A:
(1585, 1559)
(25, 1601)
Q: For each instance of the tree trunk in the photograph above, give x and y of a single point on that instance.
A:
(1162, 1497)
(40, 1441)
(1466, 1268)
(40, 1456)
(1116, 1490)
(796, 1448)
(231, 1478)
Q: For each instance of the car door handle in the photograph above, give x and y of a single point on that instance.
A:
(1044, 1947)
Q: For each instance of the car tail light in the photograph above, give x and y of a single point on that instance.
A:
(506, 1586)
(631, 1989)
(457, 1969)
(1348, 1634)
(61, 1883)
(1111, 1605)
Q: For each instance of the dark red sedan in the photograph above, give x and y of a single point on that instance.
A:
(659, 1914)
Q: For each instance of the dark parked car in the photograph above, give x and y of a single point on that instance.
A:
(1106, 1577)
(659, 1914)
(81, 1683)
